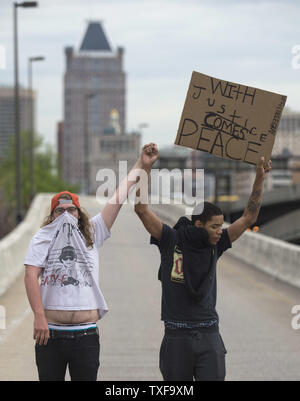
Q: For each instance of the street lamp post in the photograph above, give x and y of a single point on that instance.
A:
(19, 211)
(31, 126)
(87, 97)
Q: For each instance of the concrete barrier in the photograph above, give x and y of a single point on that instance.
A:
(13, 247)
(277, 258)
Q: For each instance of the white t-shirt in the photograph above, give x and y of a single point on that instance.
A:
(71, 270)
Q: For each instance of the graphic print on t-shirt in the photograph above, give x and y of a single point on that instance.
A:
(177, 272)
(68, 262)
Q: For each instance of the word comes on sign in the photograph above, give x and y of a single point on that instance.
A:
(229, 120)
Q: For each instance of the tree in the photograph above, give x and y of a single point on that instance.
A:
(46, 177)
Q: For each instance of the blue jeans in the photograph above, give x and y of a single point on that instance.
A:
(80, 354)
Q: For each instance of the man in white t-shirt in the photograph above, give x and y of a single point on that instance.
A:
(67, 302)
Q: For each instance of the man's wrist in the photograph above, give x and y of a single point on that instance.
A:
(39, 314)
(258, 182)
(147, 168)
(140, 208)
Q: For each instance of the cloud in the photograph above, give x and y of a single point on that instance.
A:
(242, 41)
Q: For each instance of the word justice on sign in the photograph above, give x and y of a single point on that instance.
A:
(229, 120)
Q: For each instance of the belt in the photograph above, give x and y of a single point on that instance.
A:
(176, 332)
(55, 334)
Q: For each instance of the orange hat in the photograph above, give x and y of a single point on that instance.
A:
(55, 202)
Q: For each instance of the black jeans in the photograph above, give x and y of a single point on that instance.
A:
(187, 354)
(80, 354)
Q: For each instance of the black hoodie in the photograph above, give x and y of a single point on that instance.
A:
(192, 299)
(199, 259)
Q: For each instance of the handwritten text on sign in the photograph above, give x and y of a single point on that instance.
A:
(229, 120)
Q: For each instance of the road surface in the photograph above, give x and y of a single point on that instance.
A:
(255, 315)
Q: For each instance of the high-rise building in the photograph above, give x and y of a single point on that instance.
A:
(7, 115)
(94, 103)
(60, 144)
(288, 135)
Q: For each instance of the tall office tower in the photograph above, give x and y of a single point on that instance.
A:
(288, 135)
(7, 115)
(94, 93)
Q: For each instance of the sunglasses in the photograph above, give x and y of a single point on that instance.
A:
(60, 210)
(70, 258)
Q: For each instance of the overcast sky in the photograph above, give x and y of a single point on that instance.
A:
(248, 42)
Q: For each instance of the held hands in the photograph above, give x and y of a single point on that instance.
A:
(149, 155)
(263, 169)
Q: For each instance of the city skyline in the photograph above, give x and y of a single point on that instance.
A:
(94, 107)
(240, 41)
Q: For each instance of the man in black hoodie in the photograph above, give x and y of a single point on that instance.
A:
(192, 347)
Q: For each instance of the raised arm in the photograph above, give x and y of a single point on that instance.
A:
(249, 217)
(113, 206)
(151, 222)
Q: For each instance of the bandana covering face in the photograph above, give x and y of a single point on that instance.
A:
(71, 271)
(68, 262)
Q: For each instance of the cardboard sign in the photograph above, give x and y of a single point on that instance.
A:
(229, 120)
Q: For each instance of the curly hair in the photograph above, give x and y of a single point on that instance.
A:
(205, 211)
(85, 226)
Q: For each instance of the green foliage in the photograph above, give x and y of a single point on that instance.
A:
(47, 176)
